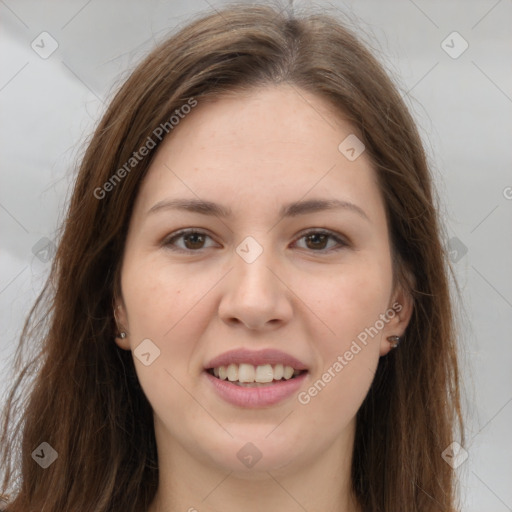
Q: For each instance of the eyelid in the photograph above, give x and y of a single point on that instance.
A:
(340, 239)
(166, 242)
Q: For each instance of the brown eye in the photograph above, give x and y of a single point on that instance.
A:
(317, 241)
(193, 240)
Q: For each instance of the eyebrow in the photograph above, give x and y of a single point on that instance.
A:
(288, 210)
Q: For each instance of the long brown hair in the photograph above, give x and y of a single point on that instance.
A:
(85, 400)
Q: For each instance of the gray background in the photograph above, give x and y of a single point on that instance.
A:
(463, 106)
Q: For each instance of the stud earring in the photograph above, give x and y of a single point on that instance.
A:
(122, 334)
(394, 340)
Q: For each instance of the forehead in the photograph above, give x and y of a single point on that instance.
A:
(267, 147)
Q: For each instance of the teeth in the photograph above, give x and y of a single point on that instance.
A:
(288, 372)
(278, 371)
(264, 373)
(248, 373)
(232, 372)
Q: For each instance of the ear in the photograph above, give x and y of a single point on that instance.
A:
(121, 321)
(399, 314)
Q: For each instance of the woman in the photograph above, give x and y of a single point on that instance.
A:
(249, 305)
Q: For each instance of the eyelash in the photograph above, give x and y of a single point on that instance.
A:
(168, 242)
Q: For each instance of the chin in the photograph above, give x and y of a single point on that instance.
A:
(251, 457)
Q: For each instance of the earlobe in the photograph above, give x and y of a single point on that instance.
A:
(121, 337)
(402, 306)
(122, 341)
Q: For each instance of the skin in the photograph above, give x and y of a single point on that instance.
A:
(254, 152)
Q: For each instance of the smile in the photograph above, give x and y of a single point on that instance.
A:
(249, 375)
(251, 379)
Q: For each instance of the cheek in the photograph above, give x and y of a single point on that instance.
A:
(348, 343)
(157, 300)
(169, 307)
(166, 308)
(350, 300)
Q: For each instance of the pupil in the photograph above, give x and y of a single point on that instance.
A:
(194, 236)
(310, 237)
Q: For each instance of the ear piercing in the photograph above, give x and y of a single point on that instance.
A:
(394, 340)
(122, 334)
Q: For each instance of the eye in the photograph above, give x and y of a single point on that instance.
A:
(194, 240)
(317, 239)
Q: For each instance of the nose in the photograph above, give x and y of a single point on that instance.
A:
(255, 294)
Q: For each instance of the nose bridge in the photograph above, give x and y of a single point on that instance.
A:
(254, 295)
(253, 261)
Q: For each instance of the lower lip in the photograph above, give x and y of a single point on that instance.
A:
(258, 396)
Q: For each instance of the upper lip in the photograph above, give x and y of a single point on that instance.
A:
(256, 358)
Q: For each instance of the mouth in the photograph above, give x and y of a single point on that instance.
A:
(254, 376)
(255, 379)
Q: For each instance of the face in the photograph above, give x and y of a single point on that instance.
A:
(268, 284)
